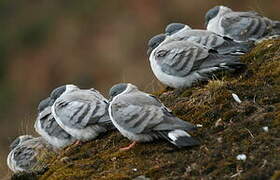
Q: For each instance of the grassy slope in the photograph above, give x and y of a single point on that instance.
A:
(228, 129)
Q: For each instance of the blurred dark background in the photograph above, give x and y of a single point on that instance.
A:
(44, 44)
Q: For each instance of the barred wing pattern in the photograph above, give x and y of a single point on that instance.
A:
(136, 118)
(205, 38)
(79, 110)
(25, 157)
(180, 58)
(51, 127)
(241, 25)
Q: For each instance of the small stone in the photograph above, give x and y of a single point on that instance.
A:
(241, 157)
(188, 169)
(134, 169)
(65, 159)
(265, 128)
(219, 123)
(220, 139)
(236, 98)
(199, 125)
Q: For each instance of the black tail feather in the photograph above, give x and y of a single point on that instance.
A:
(234, 65)
(221, 62)
(235, 48)
(244, 47)
(181, 141)
(185, 141)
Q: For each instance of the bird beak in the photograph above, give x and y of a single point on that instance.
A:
(149, 51)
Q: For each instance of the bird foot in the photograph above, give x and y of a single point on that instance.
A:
(78, 143)
(75, 144)
(128, 147)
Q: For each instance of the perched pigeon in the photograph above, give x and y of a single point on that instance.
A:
(48, 128)
(179, 64)
(240, 26)
(141, 117)
(23, 154)
(81, 113)
(208, 39)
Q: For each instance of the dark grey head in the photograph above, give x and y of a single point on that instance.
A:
(56, 93)
(19, 140)
(211, 14)
(117, 89)
(173, 28)
(44, 103)
(154, 42)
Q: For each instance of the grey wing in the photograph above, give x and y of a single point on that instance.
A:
(145, 118)
(51, 127)
(139, 98)
(203, 37)
(241, 25)
(171, 122)
(210, 40)
(79, 112)
(213, 41)
(135, 118)
(45, 113)
(25, 157)
(179, 58)
(103, 103)
(222, 45)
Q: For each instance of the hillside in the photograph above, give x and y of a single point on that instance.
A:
(228, 129)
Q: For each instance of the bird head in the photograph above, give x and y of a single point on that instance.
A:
(172, 28)
(212, 13)
(57, 92)
(44, 103)
(154, 42)
(119, 88)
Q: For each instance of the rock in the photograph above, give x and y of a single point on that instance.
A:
(241, 157)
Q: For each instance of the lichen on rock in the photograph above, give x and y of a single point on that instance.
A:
(229, 129)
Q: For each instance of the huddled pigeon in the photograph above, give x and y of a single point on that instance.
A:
(83, 113)
(141, 117)
(23, 154)
(240, 26)
(179, 64)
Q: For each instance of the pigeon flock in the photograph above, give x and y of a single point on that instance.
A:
(179, 57)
